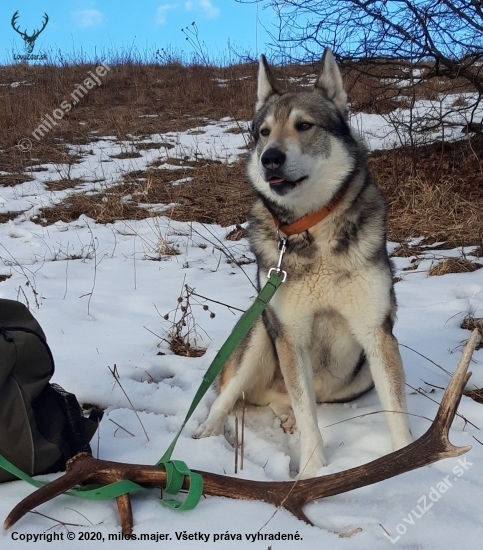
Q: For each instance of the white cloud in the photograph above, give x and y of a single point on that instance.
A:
(88, 18)
(161, 13)
(205, 6)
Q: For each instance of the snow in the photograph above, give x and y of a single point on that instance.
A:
(394, 129)
(101, 298)
(17, 84)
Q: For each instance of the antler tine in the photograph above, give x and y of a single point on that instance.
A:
(44, 494)
(296, 508)
(125, 513)
(14, 21)
(46, 20)
(36, 33)
(454, 391)
(84, 468)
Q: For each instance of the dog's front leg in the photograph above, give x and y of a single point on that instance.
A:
(230, 392)
(251, 366)
(296, 368)
(388, 374)
(382, 351)
(215, 423)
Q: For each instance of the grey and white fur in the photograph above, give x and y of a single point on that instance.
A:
(327, 335)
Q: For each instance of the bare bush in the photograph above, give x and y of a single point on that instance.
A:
(404, 49)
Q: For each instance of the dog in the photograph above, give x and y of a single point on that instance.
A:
(327, 334)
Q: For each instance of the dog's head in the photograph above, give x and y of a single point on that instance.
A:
(304, 148)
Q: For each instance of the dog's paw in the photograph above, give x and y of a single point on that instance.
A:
(288, 425)
(209, 428)
(286, 416)
(310, 468)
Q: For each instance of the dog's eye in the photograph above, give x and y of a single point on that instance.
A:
(304, 126)
(265, 132)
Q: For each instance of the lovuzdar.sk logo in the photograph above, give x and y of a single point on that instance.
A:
(29, 39)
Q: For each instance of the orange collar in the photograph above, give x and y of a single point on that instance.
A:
(311, 219)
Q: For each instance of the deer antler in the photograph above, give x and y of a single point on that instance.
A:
(29, 40)
(14, 21)
(432, 446)
(36, 33)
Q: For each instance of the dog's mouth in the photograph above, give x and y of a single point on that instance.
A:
(275, 180)
(282, 186)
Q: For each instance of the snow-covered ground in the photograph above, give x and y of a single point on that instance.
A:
(419, 126)
(101, 299)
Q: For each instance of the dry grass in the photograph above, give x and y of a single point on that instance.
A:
(453, 265)
(405, 250)
(476, 395)
(432, 192)
(179, 346)
(9, 180)
(433, 210)
(370, 94)
(381, 87)
(14, 161)
(471, 323)
(119, 105)
(63, 184)
(8, 216)
(105, 207)
(217, 193)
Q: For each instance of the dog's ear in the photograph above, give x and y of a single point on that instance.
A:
(267, 85)
(330, 82)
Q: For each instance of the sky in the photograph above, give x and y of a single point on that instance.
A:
(97, 28)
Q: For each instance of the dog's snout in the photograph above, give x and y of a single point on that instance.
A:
(273, 158)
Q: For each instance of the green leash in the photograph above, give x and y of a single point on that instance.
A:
(176, 470)
(91, 492)
(241, 329)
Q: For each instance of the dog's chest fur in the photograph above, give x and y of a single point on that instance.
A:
(321, 262)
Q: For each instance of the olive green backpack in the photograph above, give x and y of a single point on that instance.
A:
(41, 425)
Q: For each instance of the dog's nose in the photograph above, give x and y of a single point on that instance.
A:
(273, 158)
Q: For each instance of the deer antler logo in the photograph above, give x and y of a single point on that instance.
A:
(28, 39)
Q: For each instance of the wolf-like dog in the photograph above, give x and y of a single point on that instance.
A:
(327, 335)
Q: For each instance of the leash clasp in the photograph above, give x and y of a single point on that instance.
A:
(282, 247)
